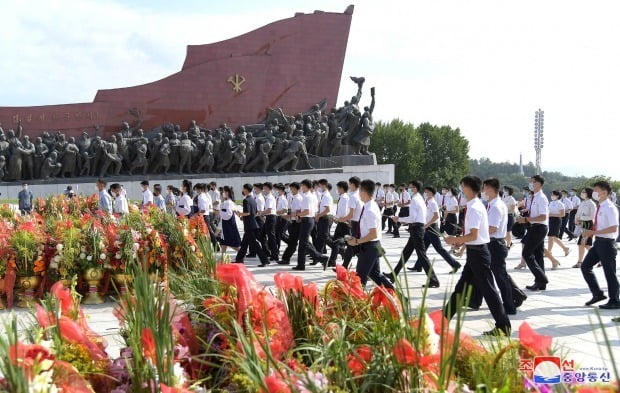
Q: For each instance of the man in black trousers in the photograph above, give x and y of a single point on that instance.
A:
(309, 205)
(342, 228)
(477, 269)
(293, 227)
(416, 218)
(534, 242)
(270, 216)
(250, 228)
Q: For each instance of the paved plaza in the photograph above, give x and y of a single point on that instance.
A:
(559, 311)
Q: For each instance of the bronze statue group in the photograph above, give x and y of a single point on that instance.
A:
(320, 223)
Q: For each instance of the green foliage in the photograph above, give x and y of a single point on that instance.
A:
(433, 154)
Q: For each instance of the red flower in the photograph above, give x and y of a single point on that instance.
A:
(44, 318)
(534, 343)
(358, 361)
(311, 293)
(73, 332)
(168, 389)
(351, 281)
(64, 297)
(439, 320)
(385, 298)
(148, 344)
(404, 353)
(27, 355)
(276, 385)
(288, 282)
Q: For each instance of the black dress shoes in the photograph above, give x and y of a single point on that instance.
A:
(431, 285)
(414, 269)
(610, 306)
(498, 332)
(300, 268)
(455, 269)
(596, 299)
(389, 276)
(283, 263)
(537, 287)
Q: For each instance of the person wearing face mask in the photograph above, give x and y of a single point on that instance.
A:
(121, 206)
(105, 200)
(568, 208)
(404, 200)
(185, 203)
(342, 229)
(391, 199)
(511, 206)
(556, 219)
(584, 219)
(353, 216)
(462, 204)
(605, 232)
(323, 218)
(451, 211)
(229, 235)
(534, 242)
(269, 228)
(25, 198)
(250, 229)
(575, 202)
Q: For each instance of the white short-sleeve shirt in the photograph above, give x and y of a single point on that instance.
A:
(606, 217)
(556, 207)
(184, 205)
(204, 203)
(227, 209)
(586, 210)
(476, 217)
(451, 203)
(539, 206)
(370, 218)
(355, 203)
(342, 206)
(404, 198)
(308, 201)
(281, 203)
(417, 210)
(498, 217)
(568, 205)
(432, 208)
(270, 203)
(296, 204)
(147, 197)
(326, 201)
(260, 202)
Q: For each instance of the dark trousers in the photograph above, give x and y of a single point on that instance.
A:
(416, 243)
(604, 251)
(350, 251)
(281, 225)
(499, 252)
(388, 212)
(307, 224)
(477, 274)
(322, 234)
(403, 212)
(432, 238)
(341, 230)
(564, 227)
(450, 224)
(571, 220)
(534, 252)
(249, 241)
(293, 239)
(270, 233)
(368, 265)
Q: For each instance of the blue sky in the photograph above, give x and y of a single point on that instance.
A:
(484, 66)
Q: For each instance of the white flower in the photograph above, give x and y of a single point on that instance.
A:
(89, 258)
(117, 255)
(43, 383)
(149, 230)
(117, 243)
(57, 258)
(432, 338)
(54, 265)
(179, 378)
(82, 256)
(135, 247)
(83, 249)
(193, 248)
(59, 247)
(102, 256)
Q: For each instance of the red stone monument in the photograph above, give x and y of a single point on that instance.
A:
(292, 63)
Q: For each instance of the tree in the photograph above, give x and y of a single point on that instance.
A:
(396, 143)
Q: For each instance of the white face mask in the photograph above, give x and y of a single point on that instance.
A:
(584, 195)
(531, 186)
(410, 190)
(595, 196)
(572, 193)
(287, 190)
(484, 196)
(449, 194)
(444, 192)
(554, 197)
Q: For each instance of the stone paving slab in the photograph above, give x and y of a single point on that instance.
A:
(559, 311)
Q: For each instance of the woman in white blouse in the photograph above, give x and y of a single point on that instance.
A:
(584, 219)
(556, 213)
(185, 202)
(229, 236)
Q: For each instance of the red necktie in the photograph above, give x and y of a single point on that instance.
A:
(464, 221)
(443, 201)
(359, 224)
(596, 217)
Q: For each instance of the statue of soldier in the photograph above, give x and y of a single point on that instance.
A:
(175, 150)
(15, 158)
(162, 159)
(111, 157)
(40, 154)
(2, 167)
(97, 155)
(153, 148)
(238, 161)
(140, 161)
(336, 143)
(4, 146)
(289, 155)
(28, 151)
(186, 150)
(70, 158)
(83, 143)
(51, 167)
(207, 160)
(225, 155)
(276, 150)
(49, 140)
(261, 161)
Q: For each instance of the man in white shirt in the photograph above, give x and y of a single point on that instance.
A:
(293, 228)
(308, 211)
(511, 205)
(416, 220)
(147, 195)
(342, 228)
(379, 196)
(605, 232)
(369, 240)
(404, 200)
(105, 200)
(534, 242)
(391, 199)
(270, 215)
(281, 212)
(575, 201)
(477, 270)
(568, 208)
(121, 206)
(257, 194)
(431, 232)
(355, 210)
(323, 217)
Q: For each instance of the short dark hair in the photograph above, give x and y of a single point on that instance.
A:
(355, 181)
(492, 182)
(199, 187)
(564, 192)
(472, 182)
(378, 184)
(115, 186)
(344, 185)
(248, 187)
(431, 189)
(368, 186)
(156, 187)
(102, 182)
(509, 189)
(278, 186)
(588, 192)
(603, 185)
(144, 183)
(557, 193)
(329, 186)
(268, 185)
(294, 185)
(306, 182)
(258, 185)
(322, 182)
(417, 184)
(538, 179)
(454, 191)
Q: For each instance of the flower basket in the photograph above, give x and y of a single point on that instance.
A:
(92, 276)
(28, 285)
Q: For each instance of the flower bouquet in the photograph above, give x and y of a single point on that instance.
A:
(67, 245)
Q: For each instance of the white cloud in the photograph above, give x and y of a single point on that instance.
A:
(483, 66)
